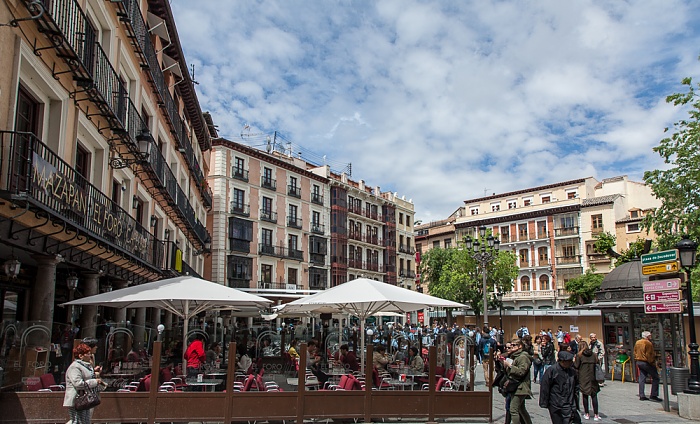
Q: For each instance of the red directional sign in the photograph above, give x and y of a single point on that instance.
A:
(663, 308)
(663, 296)
(659, 285)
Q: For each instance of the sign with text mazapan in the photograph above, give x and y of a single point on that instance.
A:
(660, 257)
(667, 268)
(662, 296)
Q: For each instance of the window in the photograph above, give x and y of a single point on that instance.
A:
(568, 251)
(240, 234)
(408, 221)
(436, 244)
(597, 223)
(512, 204)
(525, 284)
(543, 255)
(240, 165)
(544, 282)
(266, 273)
(522, 231)
(495, 207)
(524, 262)
(542, 229)
(238, 199)
(240, 271)
(474, 211)
(400, 218)
(571, 195)
(82, 162)
(315, 218)
(293, 212)
(266, 238)
(634, 214)
(293, 182)
(448, 243)
(546, 199)
(292, 276)
(505, 234)
(293, 242)
(527, 202)
(316, 196)
(633, 228)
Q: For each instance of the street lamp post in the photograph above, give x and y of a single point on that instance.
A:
(500, 314)
(688, 250)
(483, 254)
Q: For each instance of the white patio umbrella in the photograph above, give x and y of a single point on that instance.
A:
(184, 296)
(363, 297)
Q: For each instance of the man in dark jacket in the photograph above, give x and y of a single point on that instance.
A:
(487, 346)
(558, 390)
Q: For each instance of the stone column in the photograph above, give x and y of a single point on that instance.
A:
(88, 319)
(44, 289)
(120, 314)
(139, 327)
(168, 320)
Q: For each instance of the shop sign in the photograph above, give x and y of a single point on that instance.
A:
(421, 317)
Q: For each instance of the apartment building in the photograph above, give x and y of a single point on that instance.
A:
(435, 234)
(269, 222)
(551, 229)
(102, 175)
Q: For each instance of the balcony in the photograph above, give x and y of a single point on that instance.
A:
(280, 252)
(568, 260)
(318, 285)
(239, 283)
(282, 286)
(240, 209)
(294, 191)
(267, 215)
(531, 294)
(566, 232)
(407, 273)
(355, 235)
(598, 258)
(37, 177)
(268, 183)
(371, 239)
(317, 198)
(240, 174)
(403, 248)
(317, 228)
(317, 259)
(294, 222)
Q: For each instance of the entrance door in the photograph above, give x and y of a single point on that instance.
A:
(26, 121)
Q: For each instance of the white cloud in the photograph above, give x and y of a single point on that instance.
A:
(443, 100)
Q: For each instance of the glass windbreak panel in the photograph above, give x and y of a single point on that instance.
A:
(27, 353)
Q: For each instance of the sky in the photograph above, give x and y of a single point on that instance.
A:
(443, 101)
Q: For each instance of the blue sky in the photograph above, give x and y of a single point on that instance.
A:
(443, 101)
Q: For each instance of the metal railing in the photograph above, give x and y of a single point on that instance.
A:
(281, 252)
(294, 222)
(240, 174)
(317, 228)
(565, 231)
(238, 283)
(238, 245)
(268, 183)
(294, 191)
(272, 285)
(34, 173)
(239, 208)
(568, 260)
(317, 198)
(267, 215)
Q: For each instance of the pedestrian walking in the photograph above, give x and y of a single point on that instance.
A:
(80, 377)
(537, 364)
(517, 367)
(588, 385)
(558, 390)
(547, 351)
(645, 356)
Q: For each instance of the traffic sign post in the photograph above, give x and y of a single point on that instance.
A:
(660, 285)
(660, 257)
(663, 308)
(665, 268)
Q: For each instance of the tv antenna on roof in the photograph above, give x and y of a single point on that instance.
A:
(192, 75)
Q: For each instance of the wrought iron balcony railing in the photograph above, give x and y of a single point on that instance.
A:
(294, 222)
(294, 191)
(268, 183)
(317, 198)
(239, 283)
(267, 215)
(33, 173)
(565, 231)
(280, 252)
(239, 208)
(317, 228)
(240, 174)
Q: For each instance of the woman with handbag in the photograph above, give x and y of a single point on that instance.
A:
(586, 363)
(82, 385)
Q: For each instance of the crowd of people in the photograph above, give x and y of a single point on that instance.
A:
(569, 372)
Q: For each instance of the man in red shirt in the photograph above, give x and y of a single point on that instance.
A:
(195, 355)
(348, 359)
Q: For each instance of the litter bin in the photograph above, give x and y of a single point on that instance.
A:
(679, 379)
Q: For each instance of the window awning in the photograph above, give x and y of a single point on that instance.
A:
(171, 65)
(158, 27)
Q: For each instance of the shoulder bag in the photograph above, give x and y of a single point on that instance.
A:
(88, 399)
(599, 374)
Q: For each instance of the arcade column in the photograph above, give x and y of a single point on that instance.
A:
(88, 318)
(43, 294)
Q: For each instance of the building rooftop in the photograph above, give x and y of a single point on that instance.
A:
(600, 200)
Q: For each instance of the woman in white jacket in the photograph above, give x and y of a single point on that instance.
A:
(79, 376)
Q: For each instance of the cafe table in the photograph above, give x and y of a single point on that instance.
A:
(208, 383)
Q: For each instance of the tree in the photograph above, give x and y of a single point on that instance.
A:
(453, 274)
(677, 185)
(606, 242)
(583, 287)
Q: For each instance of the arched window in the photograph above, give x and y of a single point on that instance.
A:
(544, 282)
(525, 284)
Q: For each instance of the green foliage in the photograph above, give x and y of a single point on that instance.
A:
(454, 274)
(605, 243)
(583, 287)
(677, 184)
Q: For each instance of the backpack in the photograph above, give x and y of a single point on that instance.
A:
(519, 333)
(487, 346)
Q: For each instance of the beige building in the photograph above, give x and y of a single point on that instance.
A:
(102, 179)
(551, 230)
